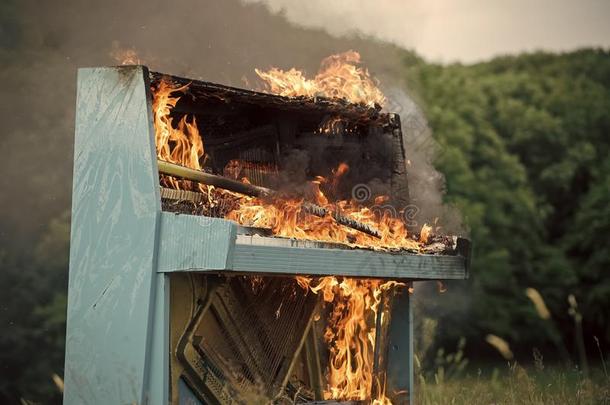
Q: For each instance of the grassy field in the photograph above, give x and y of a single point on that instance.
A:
(513, 384)
(510, 384)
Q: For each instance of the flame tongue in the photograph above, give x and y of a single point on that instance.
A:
(339, 77)
(349, 333)
(182, 145)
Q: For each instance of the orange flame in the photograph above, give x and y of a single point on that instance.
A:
(350, 336)
(338, 77)
(182, 145)
(425, 232)
(287, 218)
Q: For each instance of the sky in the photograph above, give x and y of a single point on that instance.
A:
(460, 30)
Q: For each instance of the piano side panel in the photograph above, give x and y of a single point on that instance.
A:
(115, 209)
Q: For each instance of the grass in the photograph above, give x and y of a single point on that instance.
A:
(450, 382)
(454, 381)
(515, 385)
(453, 384)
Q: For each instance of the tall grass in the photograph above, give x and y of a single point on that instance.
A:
(514, 385)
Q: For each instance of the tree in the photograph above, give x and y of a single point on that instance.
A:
(523, 139)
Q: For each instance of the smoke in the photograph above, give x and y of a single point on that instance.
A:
(43, 44)
(426, 184)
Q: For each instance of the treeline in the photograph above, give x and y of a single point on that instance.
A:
(524, 149)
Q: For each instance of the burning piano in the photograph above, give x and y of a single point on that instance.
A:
(231, 246)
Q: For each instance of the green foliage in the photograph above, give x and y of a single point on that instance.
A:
(591, 245)
(449, 381)
(525, 154)
(33, 316)
(515, 385)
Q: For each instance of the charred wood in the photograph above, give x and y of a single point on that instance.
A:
(186, 173)
(198, 176)
(341, 219)
(250, 136)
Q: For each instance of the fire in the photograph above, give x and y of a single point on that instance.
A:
(338, 77)
(424, 234)
(350, 331)
(287, 218)
(182, 145)
(350, 334)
